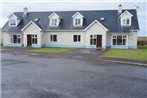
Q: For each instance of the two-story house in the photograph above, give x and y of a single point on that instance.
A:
(77, 29)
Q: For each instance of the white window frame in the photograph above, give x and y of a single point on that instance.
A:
(52, 38)
(12, 22)
(115, 37)
(124, 21)
(34, 37)
(77, 22)
(17, 39)
(78, 38)
(54, 22)
(94, 37)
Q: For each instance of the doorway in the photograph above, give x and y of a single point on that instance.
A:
(99, 41)
(29, 40)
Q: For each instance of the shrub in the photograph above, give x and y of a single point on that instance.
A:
(142, 42)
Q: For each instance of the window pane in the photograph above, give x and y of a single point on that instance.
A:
(128, 21)
(55, 37)
(124, 21)
(35, 40)
(14, 38)
(51, 38)
(79, 38)
(119, 40)
(124, 41)
(75, 38)
(114, 41)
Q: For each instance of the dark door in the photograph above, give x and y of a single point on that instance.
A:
(29, 40)
(99, 41)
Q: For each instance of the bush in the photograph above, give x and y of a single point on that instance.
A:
(142, 42)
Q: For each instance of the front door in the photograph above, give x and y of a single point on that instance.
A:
(99, 41)
(29, 40)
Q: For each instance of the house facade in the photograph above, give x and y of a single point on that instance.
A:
(74, 29)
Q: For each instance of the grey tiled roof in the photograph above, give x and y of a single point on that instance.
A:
(111, 21)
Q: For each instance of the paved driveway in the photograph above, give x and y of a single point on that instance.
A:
(25, 76)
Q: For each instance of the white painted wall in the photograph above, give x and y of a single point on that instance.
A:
(31, 29)
(63, 38)
(0, 37)
(96, 29)
(132, 39)
(6, 38)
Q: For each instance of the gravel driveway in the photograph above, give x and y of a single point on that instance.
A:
(25, 76)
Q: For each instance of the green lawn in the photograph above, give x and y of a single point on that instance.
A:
(51, 50)
(137, 54)
(4, 47)
(142, 38)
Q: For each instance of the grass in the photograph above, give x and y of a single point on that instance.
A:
(51, 50)
(142, 38)
(4, 47)
(137, 54)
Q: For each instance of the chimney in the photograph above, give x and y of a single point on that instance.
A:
(25, 11)
(119, 9)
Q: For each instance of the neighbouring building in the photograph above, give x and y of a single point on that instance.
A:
(77, 29)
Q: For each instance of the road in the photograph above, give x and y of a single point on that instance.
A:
(25, 76)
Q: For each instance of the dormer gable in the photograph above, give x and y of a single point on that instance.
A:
(13, 20)
(54, 20)
(78, 19)
(126, 19)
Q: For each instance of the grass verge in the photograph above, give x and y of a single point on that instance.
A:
(51, 50)
(136, 54)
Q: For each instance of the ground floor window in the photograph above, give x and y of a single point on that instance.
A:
(53, 38)
(15, 39)
(92, 39)
(76, 38)
(34, 39)
(119, 39)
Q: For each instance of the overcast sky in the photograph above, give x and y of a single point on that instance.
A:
(9, 7)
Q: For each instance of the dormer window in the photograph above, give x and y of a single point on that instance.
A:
(125, 19)
(53, 22)
(77, 20)
(12, 22)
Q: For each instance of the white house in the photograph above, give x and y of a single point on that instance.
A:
(78, 29)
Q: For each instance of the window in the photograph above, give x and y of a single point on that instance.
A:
(12, 22)
(53, 22)
(126, 21)
(77, 22)
(34, 39)
(15, 39)
(92, 39)
(53, 38)
(76, 38)
(119, 40)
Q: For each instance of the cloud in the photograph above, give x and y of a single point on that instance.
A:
(49, 5)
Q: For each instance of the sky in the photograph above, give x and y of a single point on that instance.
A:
(10, 6)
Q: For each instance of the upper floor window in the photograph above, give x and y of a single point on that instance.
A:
(126, 18)
(12, 22)
(77, 22)
(78, 19)
(53, 22)
(126, 21)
